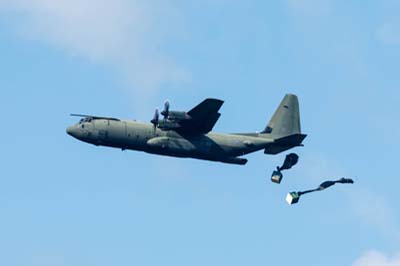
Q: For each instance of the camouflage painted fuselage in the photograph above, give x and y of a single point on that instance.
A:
(132, 135)
(190, 136)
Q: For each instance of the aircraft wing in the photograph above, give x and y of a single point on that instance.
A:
(204, 116)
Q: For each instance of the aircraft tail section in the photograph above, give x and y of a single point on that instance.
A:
(284, 144)
(286, 119)
(284, 127)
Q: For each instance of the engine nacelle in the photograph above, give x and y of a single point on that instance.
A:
(168, 125)
(177, 116)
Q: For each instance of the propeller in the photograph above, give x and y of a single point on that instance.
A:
(165, 112)
(156, 119)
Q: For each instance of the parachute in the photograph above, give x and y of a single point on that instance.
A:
(294, 197)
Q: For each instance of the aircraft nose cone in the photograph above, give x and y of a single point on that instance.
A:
(70, 130)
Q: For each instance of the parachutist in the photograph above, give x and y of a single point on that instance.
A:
(290, 161)
(294, 197)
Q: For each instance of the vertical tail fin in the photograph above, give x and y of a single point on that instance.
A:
(286, 119)
(284, 127)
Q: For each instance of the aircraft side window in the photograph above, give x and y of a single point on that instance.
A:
(83, 126)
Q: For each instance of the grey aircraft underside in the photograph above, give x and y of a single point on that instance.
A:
(188, 134)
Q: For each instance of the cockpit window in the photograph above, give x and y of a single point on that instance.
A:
(85, 120)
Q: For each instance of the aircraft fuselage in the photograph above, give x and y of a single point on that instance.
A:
(133, 135)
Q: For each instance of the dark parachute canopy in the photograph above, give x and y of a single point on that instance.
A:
(290, 161)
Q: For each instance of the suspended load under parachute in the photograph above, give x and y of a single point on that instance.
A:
(294, 197)
(290, 161)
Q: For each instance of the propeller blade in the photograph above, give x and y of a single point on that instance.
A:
(79, 115)
(166, 105)
(95, 117)
(165, 112)
(155, 119)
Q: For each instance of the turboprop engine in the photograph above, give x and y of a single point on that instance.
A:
(175, 116)
(172, 119)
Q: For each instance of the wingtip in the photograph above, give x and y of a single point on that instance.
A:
(214, 99)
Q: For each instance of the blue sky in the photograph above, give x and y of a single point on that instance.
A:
(68, 203)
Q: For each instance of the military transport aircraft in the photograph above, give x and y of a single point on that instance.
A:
(188, 134)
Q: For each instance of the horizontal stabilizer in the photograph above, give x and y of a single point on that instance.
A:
(285, 143)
